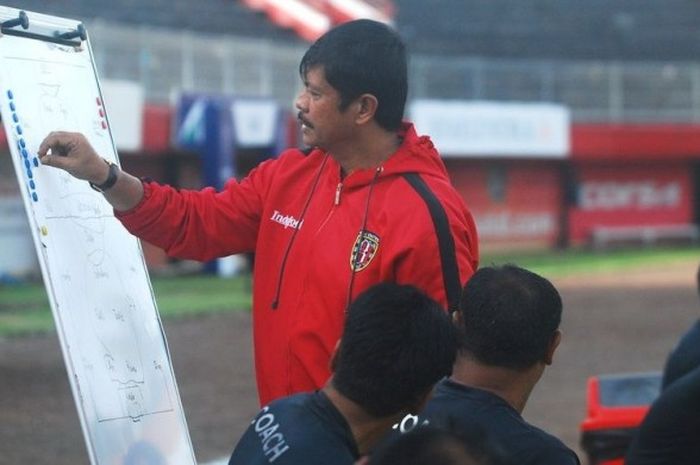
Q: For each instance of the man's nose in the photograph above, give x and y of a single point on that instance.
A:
(301, 102)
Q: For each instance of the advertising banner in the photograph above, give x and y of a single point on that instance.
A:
(492, 129)
(623, 195)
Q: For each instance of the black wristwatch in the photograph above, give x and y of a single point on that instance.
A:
(111, 178)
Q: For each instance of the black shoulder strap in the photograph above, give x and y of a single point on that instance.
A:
(446, 243)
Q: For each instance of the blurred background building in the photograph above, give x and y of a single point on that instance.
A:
(562, 123)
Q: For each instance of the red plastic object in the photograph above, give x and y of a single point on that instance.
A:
(616, 405)
(601, 416)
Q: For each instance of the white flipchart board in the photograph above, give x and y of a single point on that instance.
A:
(110, 332)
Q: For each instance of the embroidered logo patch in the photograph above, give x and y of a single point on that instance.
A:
(363, 250)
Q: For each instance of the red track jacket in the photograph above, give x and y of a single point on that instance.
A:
(303, 223)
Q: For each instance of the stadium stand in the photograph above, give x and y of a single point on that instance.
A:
(206, 16)
(631, 30)
(553, 29)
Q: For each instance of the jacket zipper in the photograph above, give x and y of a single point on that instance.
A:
(337, 193)
(363, 230)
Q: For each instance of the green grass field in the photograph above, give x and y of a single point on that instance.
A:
(573, 262)
(24, 308)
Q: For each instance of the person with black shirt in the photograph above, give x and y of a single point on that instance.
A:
(437, 446)
(509, 318)
(686, 355)
(396, 344)
(670, 431)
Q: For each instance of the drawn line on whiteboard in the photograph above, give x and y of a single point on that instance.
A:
(128, 383)
(53, 62)
(135, 418)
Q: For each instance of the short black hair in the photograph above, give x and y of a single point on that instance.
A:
(510, 316)
(396, 344)
(364, 57)
(429, 445)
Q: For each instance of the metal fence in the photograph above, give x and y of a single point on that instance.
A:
(167, 62)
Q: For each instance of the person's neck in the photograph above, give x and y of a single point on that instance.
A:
(366, 151)
(366, 429)
(513, 386)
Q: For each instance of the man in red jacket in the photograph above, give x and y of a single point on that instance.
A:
(369, 202)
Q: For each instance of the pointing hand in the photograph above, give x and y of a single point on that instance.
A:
(73, 153)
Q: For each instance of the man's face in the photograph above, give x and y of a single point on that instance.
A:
(322, 123)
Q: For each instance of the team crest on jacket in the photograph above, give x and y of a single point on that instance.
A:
(363, 250)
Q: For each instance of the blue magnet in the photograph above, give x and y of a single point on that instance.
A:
(19, 129)
(12, 106)
(35, 197)
(25, 154)
(32, 184)
(10, 95)
(29, 173)
(36, 162)
(27, 164)
(15, 118)
(22, 143)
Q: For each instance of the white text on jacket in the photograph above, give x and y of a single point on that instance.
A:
(287, 221)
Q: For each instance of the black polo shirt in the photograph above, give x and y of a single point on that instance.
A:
(300, 429)
(684, 357)
(459, 407)
(670, 432)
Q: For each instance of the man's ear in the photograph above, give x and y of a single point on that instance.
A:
(334, 358)
(553, 344)
(366, 108)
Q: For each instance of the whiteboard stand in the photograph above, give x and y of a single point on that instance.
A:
(108, 325)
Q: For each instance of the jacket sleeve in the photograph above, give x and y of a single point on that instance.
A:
(205, 224)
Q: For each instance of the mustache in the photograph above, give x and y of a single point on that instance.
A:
(304, 121)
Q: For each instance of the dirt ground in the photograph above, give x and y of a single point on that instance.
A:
(612, 324)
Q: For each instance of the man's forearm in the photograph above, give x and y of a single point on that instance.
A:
(126, 193)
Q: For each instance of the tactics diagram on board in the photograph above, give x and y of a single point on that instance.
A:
(78, 231)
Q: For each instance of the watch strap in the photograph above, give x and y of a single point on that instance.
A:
(111, 178)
